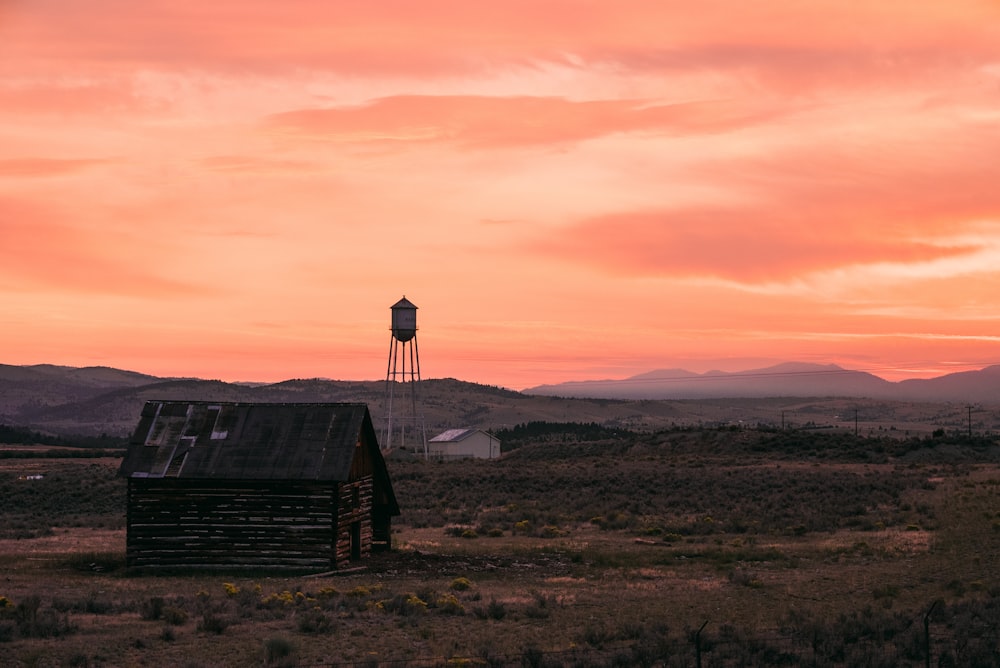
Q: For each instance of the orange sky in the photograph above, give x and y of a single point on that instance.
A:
(567, 190)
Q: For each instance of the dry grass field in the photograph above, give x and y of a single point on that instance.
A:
(746, 547)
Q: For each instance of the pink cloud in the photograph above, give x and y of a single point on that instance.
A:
(748, 246)
(250, 164)
(42, 167)
(509, 121)
(823, 202)
(881, 184)
(441, 37)
(31, 98)
(40, 250)
(819, 206)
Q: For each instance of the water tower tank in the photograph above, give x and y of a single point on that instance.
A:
(404, 320)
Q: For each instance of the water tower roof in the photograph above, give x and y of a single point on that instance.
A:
(404, 303)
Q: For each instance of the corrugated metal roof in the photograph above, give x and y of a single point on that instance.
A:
(453, 435)
(205, 440)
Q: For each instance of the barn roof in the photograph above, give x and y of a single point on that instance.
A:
(206, 440)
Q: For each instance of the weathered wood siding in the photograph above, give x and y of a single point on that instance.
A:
(354, 521)
(200, 523)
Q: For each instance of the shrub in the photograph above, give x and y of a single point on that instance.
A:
(279, 651)
(532, 656)
(745, 578)
(314, 622)
(461, 584)
(551, 531)
(495, 610)
(885, 591)
(326, 592)
(174, 616)
(152, 609)
(277, 600)
(94, 603)
(33, 621)
(541, 606)
(359, 591)
(404, 604)
(212, 623)
(449, 605)
(596, 636)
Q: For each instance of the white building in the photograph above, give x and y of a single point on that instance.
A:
(463, 444)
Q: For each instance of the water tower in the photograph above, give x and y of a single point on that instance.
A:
(404, 422)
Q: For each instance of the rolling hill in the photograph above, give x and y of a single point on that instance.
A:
(98, 400)
(67, 401)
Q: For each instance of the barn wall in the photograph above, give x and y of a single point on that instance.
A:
(272, 524)
(354, 521)
(474, 446)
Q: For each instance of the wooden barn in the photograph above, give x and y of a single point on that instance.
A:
(301, 486)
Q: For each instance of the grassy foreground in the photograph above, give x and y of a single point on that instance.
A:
(746, 547)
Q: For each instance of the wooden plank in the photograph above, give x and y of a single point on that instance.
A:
(266, 524)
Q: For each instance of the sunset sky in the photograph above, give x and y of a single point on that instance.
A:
(567, 190)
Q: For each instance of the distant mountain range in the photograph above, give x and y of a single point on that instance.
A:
(791, 379)
(100, 400)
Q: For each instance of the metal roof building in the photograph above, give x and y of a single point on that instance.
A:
(463, 444)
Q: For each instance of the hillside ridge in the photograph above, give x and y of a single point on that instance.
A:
(92, 401)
